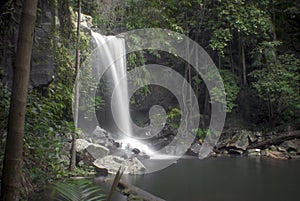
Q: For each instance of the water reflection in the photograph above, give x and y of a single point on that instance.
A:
(226, 179)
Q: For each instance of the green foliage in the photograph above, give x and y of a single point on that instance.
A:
(136, 60)
(89, 85)
(76, 190)
(277, 79)
(174, 115)
(201, 133)
(45, 130)
(231, 89)
(237, 17)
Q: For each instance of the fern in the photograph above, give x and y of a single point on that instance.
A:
(77, 190)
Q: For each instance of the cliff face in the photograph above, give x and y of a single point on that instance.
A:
(42, 63)
(42, 55)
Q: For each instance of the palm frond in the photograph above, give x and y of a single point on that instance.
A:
(77, 190)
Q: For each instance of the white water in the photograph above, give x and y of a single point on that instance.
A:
(111, 51)
(110, 48)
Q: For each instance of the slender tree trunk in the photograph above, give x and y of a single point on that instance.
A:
(231, 61)
(270, 108)
(273, 20)
(244, 66)
(76, 99)
(219, 62)
(184, 92)
(12, 167)
(206, 105)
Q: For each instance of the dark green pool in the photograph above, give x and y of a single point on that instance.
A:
(224, 179)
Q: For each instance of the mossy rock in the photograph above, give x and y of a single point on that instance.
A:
(132, 197)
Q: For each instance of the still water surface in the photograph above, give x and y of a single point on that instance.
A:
(224, 179)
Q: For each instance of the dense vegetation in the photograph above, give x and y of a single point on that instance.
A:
(255, 44)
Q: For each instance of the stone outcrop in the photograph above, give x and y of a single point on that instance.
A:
(112, 164)
(284, 145)
(88, 152)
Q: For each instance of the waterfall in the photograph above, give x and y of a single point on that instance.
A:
(112, 54)
(111, 49)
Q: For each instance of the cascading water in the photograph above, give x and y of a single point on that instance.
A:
(117, 71)
(110, 49)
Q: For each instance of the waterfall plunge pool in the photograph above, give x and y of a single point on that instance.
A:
(226, 179)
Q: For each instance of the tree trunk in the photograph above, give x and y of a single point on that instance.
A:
(231, 61)
(244, 66)
(76, 98)
(12, 167)
(273, 20)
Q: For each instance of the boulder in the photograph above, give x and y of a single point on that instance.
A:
(98, 136)
(290, 145)
(254, 152)
(81, 145)
(239, 140)
(112, 163)
(97, 151)
(88, 152)
(135, 151)
(254, 136)
(281, 149)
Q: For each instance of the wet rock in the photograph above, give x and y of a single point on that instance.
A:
(180, 149)
(236, 151)
(290, 145)
(112, 164)
(170, 150)
(281, 149)
(252, 138)
(195, 148)
(225, 152)
(117, 144)
(213, 154)
(292, 153)
(254, 152)
(136, 151)
(297, 157)
(132, 197)
(240, 140)
(88, 152)
(159, 143)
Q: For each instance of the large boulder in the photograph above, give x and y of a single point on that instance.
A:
(98, 136)
(88, 152)
(112, 163)
(97, 151)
